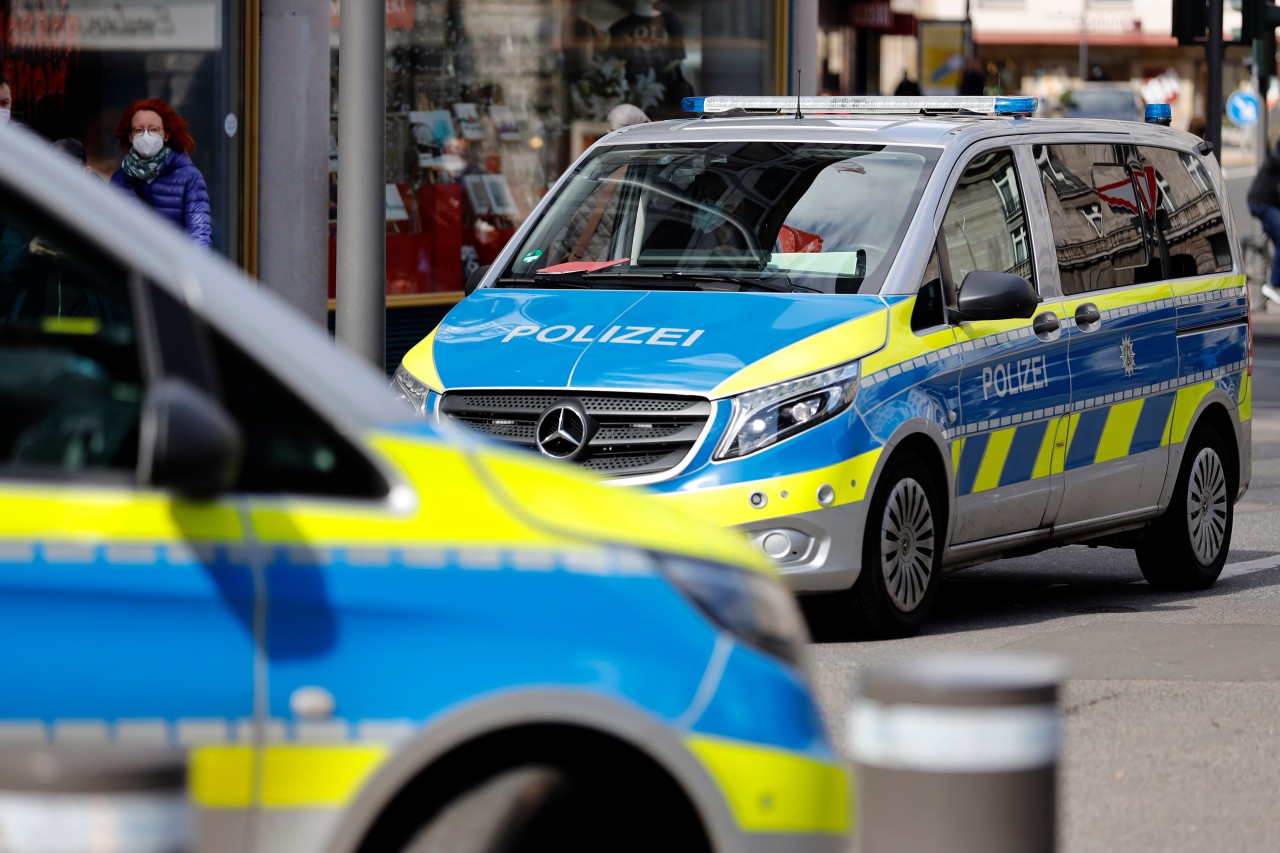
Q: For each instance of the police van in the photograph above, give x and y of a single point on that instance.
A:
(884, 337)
(250, 602)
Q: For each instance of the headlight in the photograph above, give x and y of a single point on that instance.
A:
(407, 387)
(768, 415)
(753, 606)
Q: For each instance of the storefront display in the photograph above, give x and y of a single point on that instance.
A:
(75, 65)
(488, 101)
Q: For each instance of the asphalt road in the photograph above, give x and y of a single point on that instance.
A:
(1171, 731)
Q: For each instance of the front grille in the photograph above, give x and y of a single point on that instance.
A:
(636, 434)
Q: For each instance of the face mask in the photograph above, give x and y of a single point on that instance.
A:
(5, 114)
(148, 144)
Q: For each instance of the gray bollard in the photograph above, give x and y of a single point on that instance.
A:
(957, 754)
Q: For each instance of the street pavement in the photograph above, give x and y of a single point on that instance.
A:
(1171, 733)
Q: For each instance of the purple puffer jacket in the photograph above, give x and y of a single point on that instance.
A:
(178, 194)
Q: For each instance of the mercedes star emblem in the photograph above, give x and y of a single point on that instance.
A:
(564, 430)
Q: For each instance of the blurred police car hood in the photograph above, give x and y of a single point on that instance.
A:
(683, 342)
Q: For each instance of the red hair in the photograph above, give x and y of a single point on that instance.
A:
(174, 124)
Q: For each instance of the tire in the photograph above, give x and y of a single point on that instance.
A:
(540, 808)
(1187, 547)
(1257, 263)
(901, 555)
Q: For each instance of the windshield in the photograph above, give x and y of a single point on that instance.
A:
(727, 216)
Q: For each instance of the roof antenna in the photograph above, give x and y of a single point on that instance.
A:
(799, 115)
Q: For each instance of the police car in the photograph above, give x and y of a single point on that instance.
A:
(884, 337)
(248, 601)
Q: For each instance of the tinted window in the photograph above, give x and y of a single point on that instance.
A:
(70, 375)
(288, 448)
(1186, 212)
(1096, 214)
(986, 225)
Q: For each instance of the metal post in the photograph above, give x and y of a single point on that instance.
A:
(803, 49)
(1084, 47)
(293, 194)
(1213, 54)
(957, 754)
(362, 115)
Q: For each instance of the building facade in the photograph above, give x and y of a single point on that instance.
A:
(1030, 47)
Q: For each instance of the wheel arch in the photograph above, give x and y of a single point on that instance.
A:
(1214, 412)
(928, 445)
(482, 738)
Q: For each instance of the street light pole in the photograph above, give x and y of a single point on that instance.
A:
(1213, 54)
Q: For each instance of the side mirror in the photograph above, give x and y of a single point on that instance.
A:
(189, 442)
(986, 295)
(473, 280)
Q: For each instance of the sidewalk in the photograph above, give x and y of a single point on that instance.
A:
(1266, 318)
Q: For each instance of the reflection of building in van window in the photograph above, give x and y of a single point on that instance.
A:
(986, 225)
(1123, 216)
(1192, 227)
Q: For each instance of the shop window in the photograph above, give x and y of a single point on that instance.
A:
(486, 108)
(985, 227)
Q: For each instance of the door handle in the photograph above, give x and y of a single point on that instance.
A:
(1088, 317)
(1045, 324)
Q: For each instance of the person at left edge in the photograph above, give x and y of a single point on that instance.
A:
(157, 167)
(6, 99)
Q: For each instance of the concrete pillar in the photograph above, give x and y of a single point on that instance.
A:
(293, 160)
(361, 321)
(803, 49)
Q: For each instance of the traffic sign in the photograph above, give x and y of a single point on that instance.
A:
(1243, 108)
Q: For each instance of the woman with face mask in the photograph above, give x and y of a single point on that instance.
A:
(158, 170)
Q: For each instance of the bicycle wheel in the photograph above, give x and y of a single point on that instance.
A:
(1257, 262)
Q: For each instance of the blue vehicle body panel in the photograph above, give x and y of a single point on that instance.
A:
(624, 340)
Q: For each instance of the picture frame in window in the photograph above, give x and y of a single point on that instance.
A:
(501, 201)
(505, 122)
(476, 193)
(468, 116)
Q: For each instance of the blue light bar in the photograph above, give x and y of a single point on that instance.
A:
(844, 104)
(1159, 114)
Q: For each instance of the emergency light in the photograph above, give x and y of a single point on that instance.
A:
(996, 105)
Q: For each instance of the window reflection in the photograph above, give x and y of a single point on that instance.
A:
(986, 226)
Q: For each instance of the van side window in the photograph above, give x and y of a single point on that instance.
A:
(1096, 213)
(930, 307)
(70, 372)
(1187, 212)
(288, 448)
(986, 225)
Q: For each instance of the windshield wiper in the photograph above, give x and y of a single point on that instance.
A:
(784, 286)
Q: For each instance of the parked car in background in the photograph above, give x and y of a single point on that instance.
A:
(249, 601)
(1102, 100)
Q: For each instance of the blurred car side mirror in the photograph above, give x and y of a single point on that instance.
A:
(473, 280)
(189, 442)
